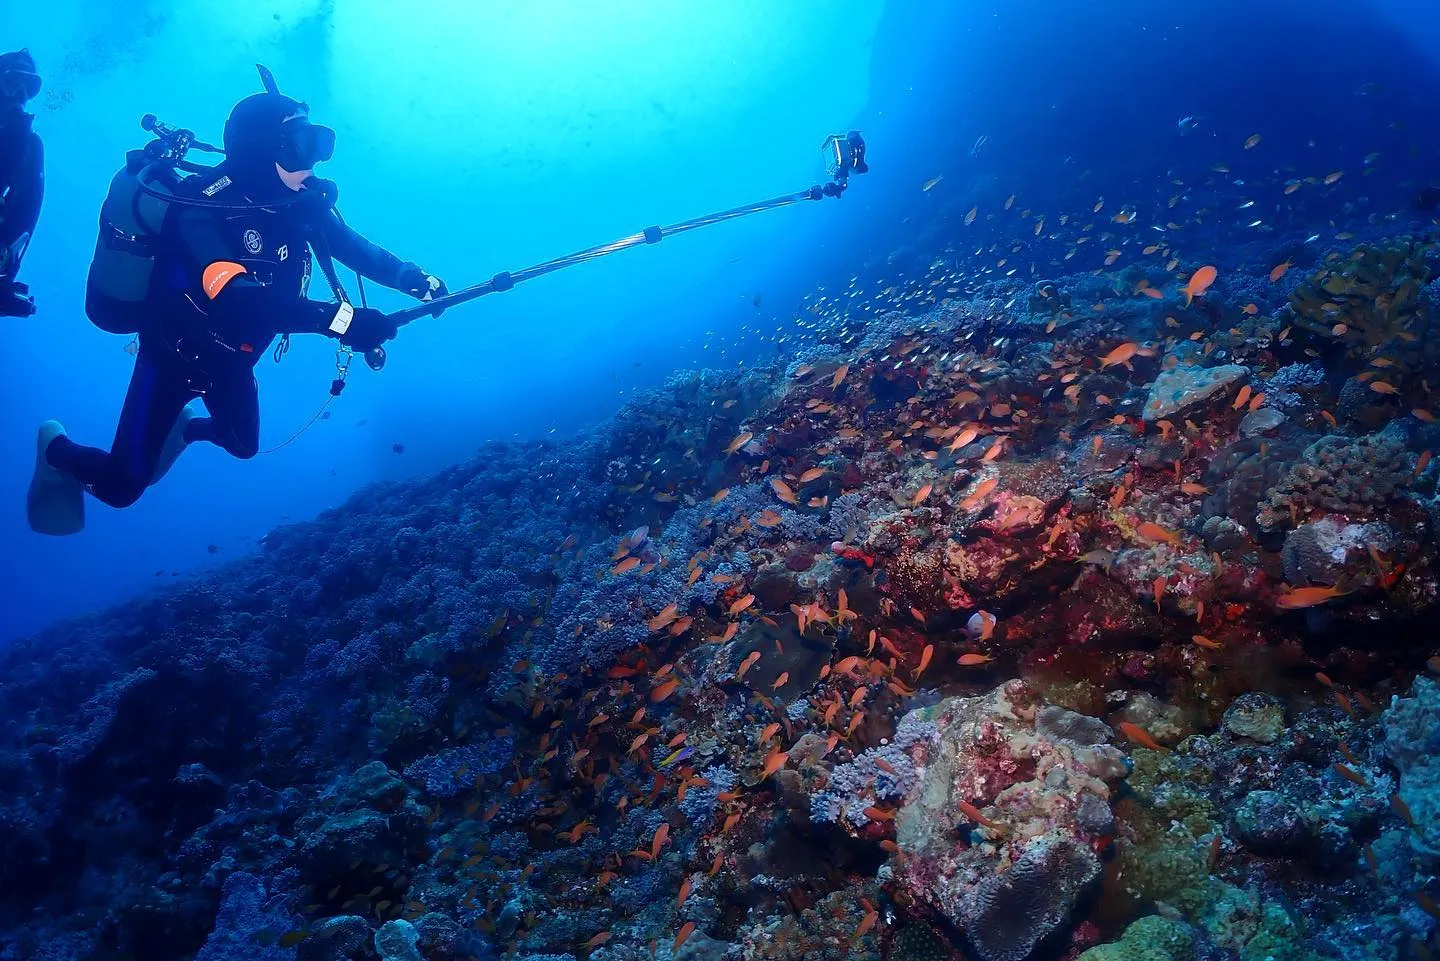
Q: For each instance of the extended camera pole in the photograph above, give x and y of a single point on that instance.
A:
(650, 235)
(847, 156)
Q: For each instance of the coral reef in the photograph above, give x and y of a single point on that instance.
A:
(950, 638)
(1355, 477)
(1184, 387)
(1370, 298)
(1148, 939)
(1033, 799)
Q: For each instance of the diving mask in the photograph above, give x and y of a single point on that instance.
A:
(304, 144)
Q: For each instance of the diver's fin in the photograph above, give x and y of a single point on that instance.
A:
(55, 503)
(174, 444)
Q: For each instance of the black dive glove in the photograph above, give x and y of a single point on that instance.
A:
(359, 328)
(15, 300)
(368, 329)
(423, 286)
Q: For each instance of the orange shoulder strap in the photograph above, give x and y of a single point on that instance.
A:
(218, 274)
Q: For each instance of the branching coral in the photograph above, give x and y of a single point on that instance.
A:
(1370, 299)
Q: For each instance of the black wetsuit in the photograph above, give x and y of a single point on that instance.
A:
(206, 345)
(22, 187)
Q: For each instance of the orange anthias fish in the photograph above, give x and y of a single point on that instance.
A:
(774, 761)
(1299, 598)
(1351, 775)
(1279, 271)
(1154, 532)
(741, 604)
(973, 813)
(973, 660)
(965, 437)
(686, 929)
(921, 494)
(1140, 736)
(1200, 282)
(740, 441)
(783, 490)
(1120, 355)
(979, 493)
(925, 656)
(665, 618)
(628, 564)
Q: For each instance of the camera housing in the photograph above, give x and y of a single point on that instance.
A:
(844, 155)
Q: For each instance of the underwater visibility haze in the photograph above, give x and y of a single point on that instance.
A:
(1018, 542)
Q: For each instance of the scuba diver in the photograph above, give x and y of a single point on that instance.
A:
(224, 273)
(22, 177)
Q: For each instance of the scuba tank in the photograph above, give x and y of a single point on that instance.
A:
(130, 219)
(117, 289)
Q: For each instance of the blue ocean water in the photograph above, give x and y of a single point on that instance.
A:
(472, 141)
(535, 135)
(1009, 143)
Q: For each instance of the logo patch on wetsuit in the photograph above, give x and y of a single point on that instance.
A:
(284, 252)
(217, 186)
(253, 241)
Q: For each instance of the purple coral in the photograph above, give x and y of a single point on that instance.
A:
(455, 769)
(862, 782)
(1007, 915)
(247, 912)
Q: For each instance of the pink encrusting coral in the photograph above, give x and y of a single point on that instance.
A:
(1003, 830)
